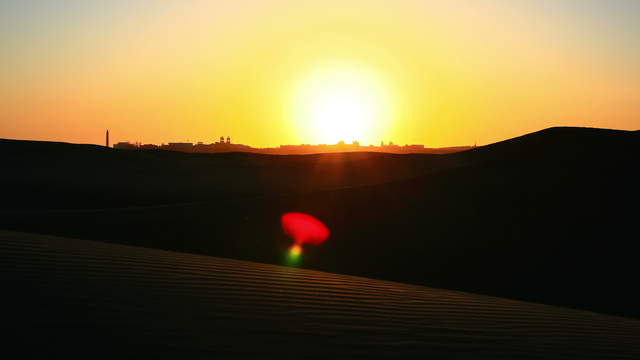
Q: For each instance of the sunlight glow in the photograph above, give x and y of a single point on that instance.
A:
(341, 104)
(275, 72)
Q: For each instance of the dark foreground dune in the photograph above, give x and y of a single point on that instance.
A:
(92, 299)
(548, 217)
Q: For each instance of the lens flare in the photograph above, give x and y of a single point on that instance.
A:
(295, 250)
(303, 229)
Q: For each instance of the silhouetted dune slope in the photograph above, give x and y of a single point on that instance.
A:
(67, 297)
(44, 175)
(557, 144)
(548, 217)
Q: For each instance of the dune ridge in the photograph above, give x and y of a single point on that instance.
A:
(543, 217)
(69, 296)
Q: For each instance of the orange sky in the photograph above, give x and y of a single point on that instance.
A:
(275, 72)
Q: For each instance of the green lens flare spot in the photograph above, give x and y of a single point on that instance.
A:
(293, 256)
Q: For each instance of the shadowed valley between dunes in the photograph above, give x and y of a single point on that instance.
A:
(548, 217)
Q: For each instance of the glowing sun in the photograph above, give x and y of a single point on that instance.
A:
(341, 104)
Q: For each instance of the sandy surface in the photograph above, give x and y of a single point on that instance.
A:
(82, 298)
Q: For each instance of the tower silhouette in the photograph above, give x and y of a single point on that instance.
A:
(107, 142)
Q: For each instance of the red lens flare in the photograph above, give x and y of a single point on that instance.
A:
(304, 229)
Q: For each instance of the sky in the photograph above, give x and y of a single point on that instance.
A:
(271, 72)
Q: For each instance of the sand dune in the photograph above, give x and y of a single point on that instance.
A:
(75, 297)
(542, 218)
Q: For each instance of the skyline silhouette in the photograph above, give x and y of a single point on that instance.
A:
(225, 145)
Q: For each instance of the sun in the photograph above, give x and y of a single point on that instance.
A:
(341, 104)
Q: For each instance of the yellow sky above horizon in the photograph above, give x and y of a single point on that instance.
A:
(273, 72)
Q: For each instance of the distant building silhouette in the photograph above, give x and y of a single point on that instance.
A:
(107, 142)
(180, 146)
(225, 145)
(125, 145)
